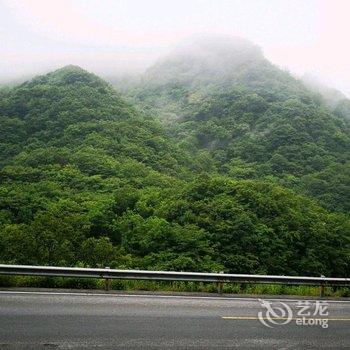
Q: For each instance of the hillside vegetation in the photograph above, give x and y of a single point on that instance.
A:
(257, 121)
(249, 177)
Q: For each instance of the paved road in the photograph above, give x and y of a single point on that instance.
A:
(39, 320)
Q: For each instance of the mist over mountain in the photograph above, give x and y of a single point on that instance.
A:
(214, 160)
(335, 100)
(255, 119)
(201, 60)
(204, 65)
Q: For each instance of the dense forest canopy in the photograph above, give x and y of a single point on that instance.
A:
(215, 160)
(255, 120)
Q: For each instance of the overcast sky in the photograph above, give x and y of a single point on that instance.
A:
(112, 36)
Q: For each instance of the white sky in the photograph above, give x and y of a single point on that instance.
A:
(111, 36)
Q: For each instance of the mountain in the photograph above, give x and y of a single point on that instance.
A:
(257, 121)
(199, 62)
(203, 66)
(86, 179)
(71, 108)
(69, 147)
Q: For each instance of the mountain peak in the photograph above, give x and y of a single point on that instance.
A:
(68, 75)
(70, 67)
(217, 44)
(204, 56)
(71, 74)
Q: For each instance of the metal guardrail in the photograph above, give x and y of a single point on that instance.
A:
(218, 278)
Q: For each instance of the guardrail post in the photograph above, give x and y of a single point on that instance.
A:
(107, 282)
(322, 288)
(220, 285)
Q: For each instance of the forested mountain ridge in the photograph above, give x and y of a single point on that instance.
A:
(85, 179)
(73, 107)
(209, 65)
(257, 121)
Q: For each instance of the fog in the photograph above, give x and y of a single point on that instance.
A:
(112, 37)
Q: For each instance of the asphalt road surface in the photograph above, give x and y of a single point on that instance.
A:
(49, 320)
